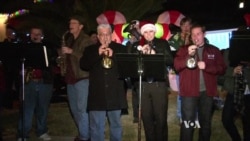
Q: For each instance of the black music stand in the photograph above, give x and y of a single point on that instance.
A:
(239, 47)
(142, 67)
(34, 55)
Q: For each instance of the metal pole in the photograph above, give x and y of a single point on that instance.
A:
(23, 82)
(140, 72)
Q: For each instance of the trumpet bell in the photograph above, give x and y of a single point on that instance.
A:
(107, 62)
(191, 63)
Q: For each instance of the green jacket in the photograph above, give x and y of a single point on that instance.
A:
(227, 80)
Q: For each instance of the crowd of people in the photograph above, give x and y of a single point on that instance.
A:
(95, 91)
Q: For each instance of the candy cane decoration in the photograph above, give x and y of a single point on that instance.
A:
(170, 17)
(111, 17)
(116, 19)
(118, 35)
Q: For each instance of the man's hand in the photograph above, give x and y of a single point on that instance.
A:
(201, 65)
(192, 50)
(104, 50)
(146, 49)
(237, 70)
(66, 50)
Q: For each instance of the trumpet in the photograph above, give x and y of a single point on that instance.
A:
(148, 49)
(61, 60)
(107, 62)
(151, 47)
(192, 60)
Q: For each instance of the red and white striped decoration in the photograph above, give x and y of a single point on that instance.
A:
(170, 17)
(111, 17)
(116, 19)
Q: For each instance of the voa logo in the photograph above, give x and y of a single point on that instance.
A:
(192, 124)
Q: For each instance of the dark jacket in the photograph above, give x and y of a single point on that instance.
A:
(106, 90)
(189, 78)
(35, 59)
(78, 45)
(228, 78)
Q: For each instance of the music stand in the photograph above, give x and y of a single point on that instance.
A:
(239, 47)
(34, 55)
(142, 67)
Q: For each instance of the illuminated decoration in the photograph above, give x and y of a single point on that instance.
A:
(159, 30)
(3, 19)
(118, 20)
(118, 35)
(170, 17)
(241, 4)
(162, 31)
(37, 1)
(247, 19)
(18, 13)
(111, 17)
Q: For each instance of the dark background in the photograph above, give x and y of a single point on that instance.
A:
(53, 15)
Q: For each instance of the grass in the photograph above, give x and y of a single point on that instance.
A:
(60, 123)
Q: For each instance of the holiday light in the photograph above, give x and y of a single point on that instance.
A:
(37, 1)
(18, 13)
(3, 18)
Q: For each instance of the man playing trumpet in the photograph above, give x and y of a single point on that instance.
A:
(198, 85)
(106, 91)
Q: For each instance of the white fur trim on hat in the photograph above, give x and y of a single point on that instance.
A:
(148, 26)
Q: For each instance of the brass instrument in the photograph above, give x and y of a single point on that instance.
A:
(148, 49)
(151, 47)
(107, 62)
(192, 61)
(132, 30)
(28, 74)
(61, 60)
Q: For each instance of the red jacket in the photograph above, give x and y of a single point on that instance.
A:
(189, 78)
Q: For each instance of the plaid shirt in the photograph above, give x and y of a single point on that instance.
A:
(239, 89)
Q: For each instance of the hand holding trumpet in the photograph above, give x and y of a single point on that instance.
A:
(192, 59)
(105, 50)
(146, 49)
(107, 53)
(192, 50)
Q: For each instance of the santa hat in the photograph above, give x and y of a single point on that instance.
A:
(148, 26)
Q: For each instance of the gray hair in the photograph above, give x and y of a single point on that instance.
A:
(104, 26)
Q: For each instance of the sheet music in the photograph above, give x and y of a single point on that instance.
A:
(45, 56)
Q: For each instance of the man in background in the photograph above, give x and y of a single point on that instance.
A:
(176, 41)
(76, 79)
(38, 89)
(237, 103)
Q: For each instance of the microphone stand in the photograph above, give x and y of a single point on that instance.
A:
(23, 108)
(140, 72)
